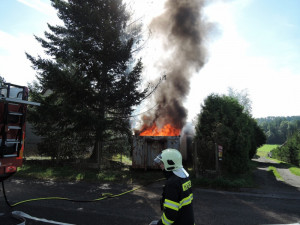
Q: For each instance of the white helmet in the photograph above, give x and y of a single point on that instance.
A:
(172, 161)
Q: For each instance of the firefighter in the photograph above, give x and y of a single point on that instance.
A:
(177, 197)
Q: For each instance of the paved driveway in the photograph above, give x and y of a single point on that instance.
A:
(272, 202)
(288, 177)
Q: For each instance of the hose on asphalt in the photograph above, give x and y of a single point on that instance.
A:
(103, 196)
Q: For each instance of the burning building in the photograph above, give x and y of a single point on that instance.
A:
(149, 142)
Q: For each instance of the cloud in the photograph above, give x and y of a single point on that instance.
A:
(43, 7)
(14, 66)
(273, 90)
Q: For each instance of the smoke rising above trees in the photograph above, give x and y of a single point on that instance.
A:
(183, 30)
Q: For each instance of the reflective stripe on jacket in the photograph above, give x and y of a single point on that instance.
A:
(177, 202)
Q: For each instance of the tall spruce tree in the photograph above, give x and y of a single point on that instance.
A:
(90, 81)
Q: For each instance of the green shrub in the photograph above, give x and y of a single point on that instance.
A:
(290, 151)
(223, 121)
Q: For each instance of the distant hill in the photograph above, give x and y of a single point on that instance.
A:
(278, 129)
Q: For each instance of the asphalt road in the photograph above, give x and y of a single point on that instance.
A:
(272, 202)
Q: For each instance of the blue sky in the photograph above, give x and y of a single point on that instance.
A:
(256, 47)
(272, 28)
(18, 17)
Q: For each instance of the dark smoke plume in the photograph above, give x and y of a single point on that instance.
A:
(183, 29)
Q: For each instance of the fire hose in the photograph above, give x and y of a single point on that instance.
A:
(20, 215)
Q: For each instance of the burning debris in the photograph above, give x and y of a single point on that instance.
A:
(182, 30)
(166, 130)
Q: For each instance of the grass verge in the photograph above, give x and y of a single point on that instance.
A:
(46, 171)
(265, 149)
(275, 172)
(295, 170)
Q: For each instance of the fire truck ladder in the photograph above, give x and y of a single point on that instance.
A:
(13, 118)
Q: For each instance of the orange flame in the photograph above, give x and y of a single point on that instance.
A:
(166, 130)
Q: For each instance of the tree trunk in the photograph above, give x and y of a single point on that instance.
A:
(93, 157)
(96, 155)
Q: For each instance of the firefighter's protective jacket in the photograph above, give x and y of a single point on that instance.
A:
(177, 201)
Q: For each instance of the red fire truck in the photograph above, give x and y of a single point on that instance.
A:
(13, 105)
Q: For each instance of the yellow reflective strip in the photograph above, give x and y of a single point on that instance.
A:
(189, 197)
(171, 204)
(165, 220)
(186, 201)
